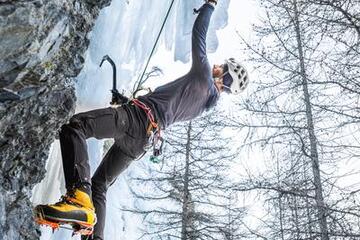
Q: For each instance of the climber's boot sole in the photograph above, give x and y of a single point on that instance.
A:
(55, 222)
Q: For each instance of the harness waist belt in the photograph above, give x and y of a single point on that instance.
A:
(149, 114)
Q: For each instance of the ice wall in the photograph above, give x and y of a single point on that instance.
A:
(126, 31)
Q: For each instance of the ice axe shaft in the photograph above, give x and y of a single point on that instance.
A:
(117, 98)
(107, 58)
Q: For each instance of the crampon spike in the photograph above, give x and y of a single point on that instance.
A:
(54, 226)
(82, 229)
(40, 219)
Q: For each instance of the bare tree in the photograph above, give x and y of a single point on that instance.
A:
(302, 112)
(188, 198)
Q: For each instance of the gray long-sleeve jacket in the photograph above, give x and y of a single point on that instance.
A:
(188, 96)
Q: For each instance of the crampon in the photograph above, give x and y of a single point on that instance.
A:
(77, 227)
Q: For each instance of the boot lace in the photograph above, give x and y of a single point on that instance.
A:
(66, 199)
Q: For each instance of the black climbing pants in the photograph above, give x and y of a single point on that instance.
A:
(127, 126)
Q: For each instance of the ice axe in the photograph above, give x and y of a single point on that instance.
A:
(117, 98)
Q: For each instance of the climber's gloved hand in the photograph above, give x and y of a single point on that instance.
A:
(213, 2)
(118, 98)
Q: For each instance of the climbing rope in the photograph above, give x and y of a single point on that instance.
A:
(140, 80)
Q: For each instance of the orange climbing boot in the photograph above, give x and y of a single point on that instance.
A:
(75, 209)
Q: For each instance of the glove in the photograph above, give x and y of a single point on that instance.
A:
(212, 1)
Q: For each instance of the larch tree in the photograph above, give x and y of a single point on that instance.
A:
(302, 113)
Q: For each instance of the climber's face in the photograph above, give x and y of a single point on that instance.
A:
(217, 71)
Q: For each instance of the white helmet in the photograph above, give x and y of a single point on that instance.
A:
(239, 75)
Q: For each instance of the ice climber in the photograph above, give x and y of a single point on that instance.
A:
(131, 125)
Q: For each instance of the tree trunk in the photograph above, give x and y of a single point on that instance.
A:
(321, 211)
(281, 220)
(308, 207)
(186, 215)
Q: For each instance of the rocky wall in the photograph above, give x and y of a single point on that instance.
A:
(42, 44)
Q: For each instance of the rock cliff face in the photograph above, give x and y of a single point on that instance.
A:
(42, 43)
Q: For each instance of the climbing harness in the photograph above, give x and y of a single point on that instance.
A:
(148, 112)
(153, 131)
